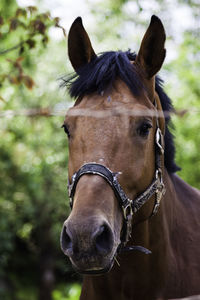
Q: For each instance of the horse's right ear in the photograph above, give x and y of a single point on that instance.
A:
(80, 50)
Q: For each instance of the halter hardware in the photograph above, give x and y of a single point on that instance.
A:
(159, 140)
(129, 207)
(127, 210)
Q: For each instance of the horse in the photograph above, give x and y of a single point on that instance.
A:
(134, 228)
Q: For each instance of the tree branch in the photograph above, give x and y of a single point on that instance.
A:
(12, 48)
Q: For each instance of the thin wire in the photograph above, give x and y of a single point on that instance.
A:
(49, 112)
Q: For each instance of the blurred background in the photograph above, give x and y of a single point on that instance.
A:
(33, 148)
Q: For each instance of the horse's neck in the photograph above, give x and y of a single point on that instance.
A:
(174, 239)
(181, 226)
(180, 212)
(172, 270)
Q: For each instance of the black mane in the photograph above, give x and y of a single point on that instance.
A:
(101, 72)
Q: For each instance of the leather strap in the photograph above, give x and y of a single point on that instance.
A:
(101, 170)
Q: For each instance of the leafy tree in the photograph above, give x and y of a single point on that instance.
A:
(22, 30)
(33, 177)
(186, 70)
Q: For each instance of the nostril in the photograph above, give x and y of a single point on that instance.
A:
(66, 241)
(104, 239)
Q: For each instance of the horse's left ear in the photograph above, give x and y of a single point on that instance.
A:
(152, 52)
(79, 46)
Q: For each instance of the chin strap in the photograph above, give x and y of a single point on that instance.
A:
(137, 248)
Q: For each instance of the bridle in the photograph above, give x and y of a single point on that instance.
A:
(128, 206)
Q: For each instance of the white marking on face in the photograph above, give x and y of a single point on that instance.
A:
(101, 159)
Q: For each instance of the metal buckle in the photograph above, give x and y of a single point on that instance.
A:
(159, 192)
(128, 214)
(161, 187)
(70, 187)
(127, 210)
(155, 209)
(159, 140)
(71, 202)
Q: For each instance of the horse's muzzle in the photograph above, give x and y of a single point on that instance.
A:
(89, 246)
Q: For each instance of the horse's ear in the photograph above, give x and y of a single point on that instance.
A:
(152, 52)
(79, 46)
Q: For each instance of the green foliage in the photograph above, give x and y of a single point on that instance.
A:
(20, 32)
(33, 177)
(70, 292)
(186, 95)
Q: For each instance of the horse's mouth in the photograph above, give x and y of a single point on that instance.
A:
(93, 270)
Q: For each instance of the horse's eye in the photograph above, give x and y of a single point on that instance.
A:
(143, 129)
(66, 129)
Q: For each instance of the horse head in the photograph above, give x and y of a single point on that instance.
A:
(112, 132)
